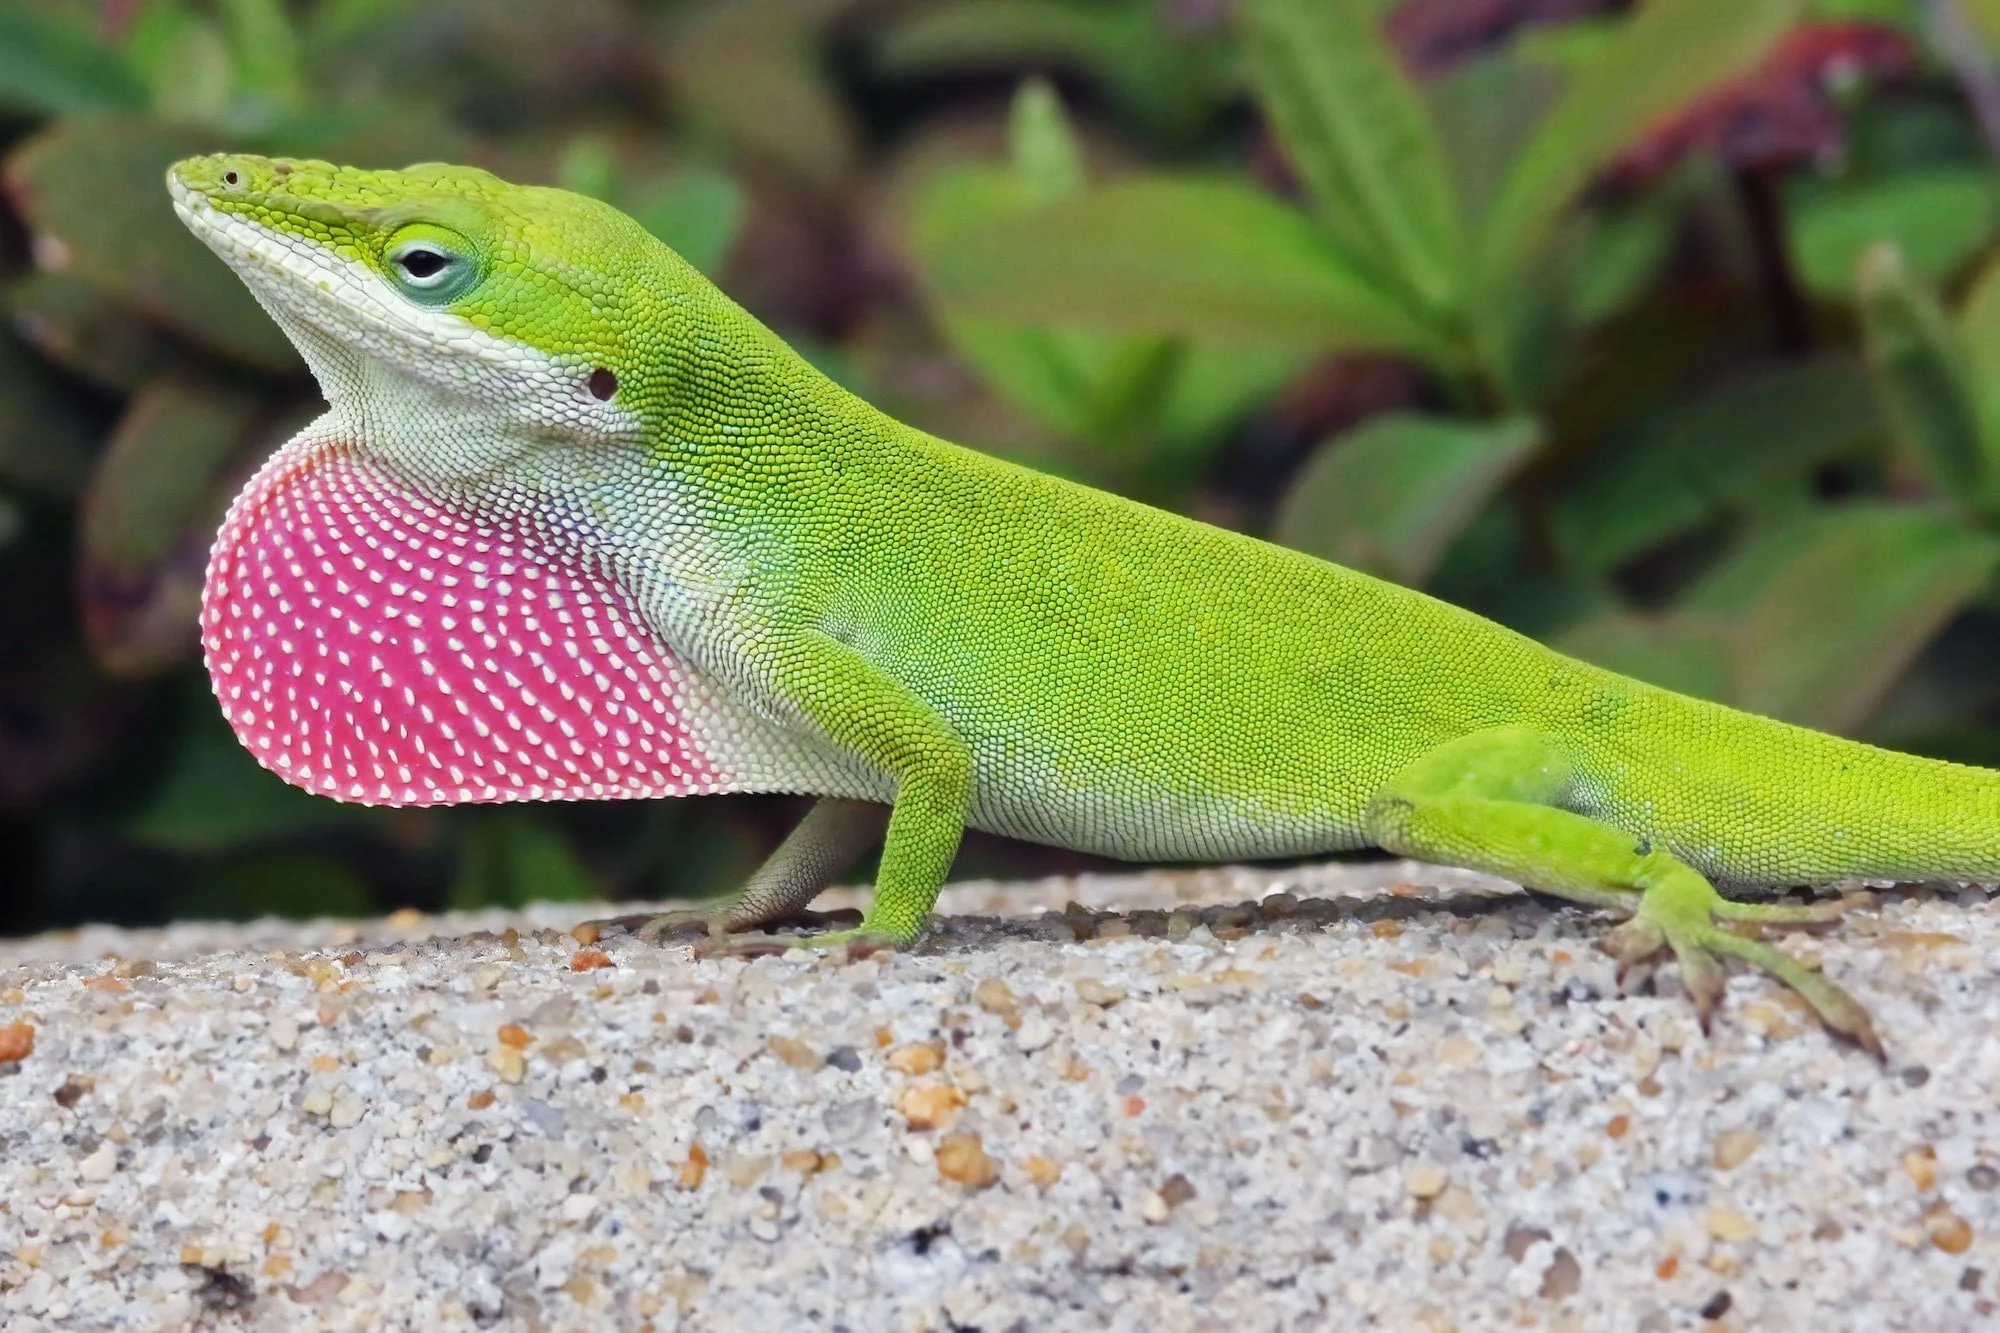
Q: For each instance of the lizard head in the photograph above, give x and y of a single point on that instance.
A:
(474, 321)
(447, 588)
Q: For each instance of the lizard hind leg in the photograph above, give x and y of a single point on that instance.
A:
(829, 840)
(1495, 801)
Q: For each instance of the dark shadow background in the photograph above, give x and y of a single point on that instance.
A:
(1740, 432)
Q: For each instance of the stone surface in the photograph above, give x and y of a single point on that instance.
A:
(1302, 1098)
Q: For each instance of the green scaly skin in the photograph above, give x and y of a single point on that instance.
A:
(978, 643)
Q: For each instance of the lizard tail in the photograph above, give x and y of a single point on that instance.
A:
(1749, 800)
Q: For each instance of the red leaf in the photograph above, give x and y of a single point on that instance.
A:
(1779, 114)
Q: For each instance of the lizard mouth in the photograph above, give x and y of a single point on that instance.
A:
(343, 292)
(323, 308)
(199, 215)
(373, 646)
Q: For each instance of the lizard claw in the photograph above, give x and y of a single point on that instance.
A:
(654, 927)
(1705, 981)
(743, 945)
(1816, 917)
(1633, 943)
(675, 926)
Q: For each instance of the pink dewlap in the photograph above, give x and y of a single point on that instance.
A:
(371, 646)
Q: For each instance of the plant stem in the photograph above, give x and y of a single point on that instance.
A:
(1764, 212)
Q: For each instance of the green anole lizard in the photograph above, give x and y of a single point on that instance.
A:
(575, 525)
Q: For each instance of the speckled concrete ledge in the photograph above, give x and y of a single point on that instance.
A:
(1389, 1096)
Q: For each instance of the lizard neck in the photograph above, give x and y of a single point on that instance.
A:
(702, 518)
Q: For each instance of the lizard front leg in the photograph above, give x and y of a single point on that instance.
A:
(1492, 801)
(864, 712)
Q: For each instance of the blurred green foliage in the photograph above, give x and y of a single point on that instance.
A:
(1667, 330)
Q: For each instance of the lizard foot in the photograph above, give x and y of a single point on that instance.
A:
(1688, 917)
(851, 945)
(696, 923)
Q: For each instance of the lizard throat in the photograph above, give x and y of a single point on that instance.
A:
(369, 644)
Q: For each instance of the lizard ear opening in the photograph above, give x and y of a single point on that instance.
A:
(602, 384)
(372, 646)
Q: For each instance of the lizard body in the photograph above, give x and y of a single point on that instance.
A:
(576, 526)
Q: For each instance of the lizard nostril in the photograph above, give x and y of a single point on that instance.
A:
(602, 384)
(230, 178)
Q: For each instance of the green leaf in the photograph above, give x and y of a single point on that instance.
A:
(1896, 13)
(1499, 568)
(53, 67)
(1618, 256)
(1985, 17)
(90, 190)
(752, 72)
(155, 498)
(589, 165)
(1923, 379)
(1169, 76)
(1675, 469)
(1693, 654)
(1205, 259)
(1130, 379)
(184, 58)
(1040, 371)
(264, 52)
(46, 440)
(1045, 373)
(1048, 161)
(335, 22)
(696, 210)
(1141, 412)
(1569, 49)
(1979, 334)
(382, 134)
(1486, 113)
(1595, 267)
(947, 38)
(1939, 219)
(1811, 622)
(1096, 388)
(1037, 368)
(86, 332)
(1832, 608)
(1361, 139)
(1216, 386)
(1665, 56)
(1389, 496)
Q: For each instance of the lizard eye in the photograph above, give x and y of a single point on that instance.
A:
(421, 265)
(432, 266)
